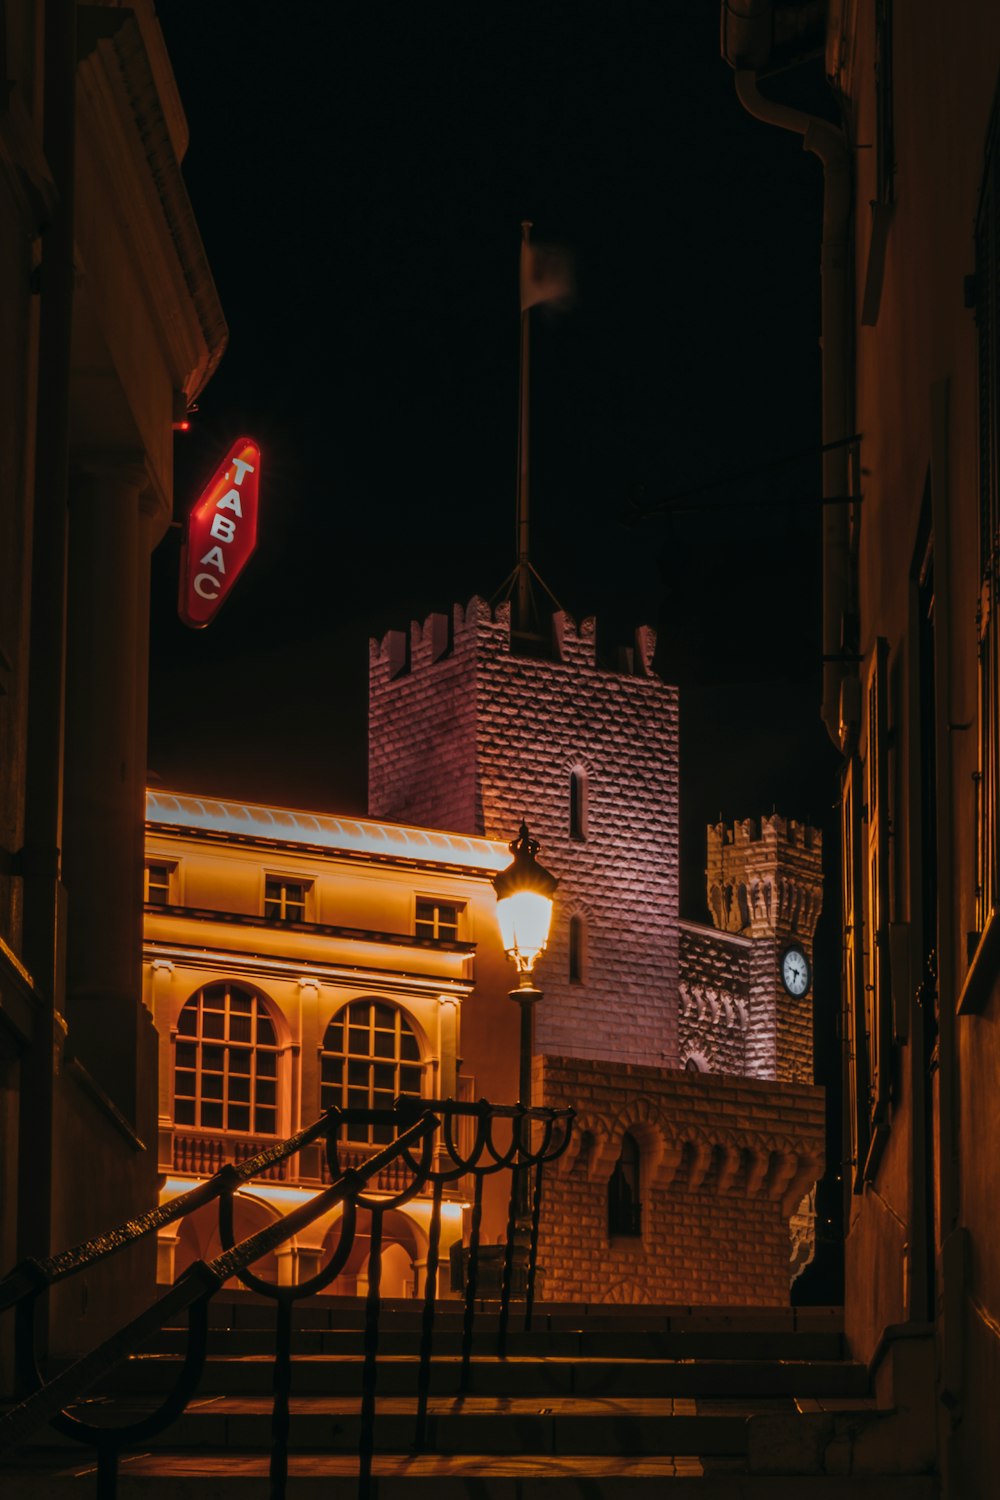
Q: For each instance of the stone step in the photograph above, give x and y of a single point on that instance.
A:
(247, 1310)
(563, 1343)
(515, 1376)
(404, 1476)
(471, 1424)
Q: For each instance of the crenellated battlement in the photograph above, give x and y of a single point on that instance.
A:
(764, 874)
(473, 627)
(477, 629)
(768, 830)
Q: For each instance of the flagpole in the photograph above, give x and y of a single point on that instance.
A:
(523, 491)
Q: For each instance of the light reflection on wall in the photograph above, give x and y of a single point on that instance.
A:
(353, 835)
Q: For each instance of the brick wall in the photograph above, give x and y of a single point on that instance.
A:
(422, 726)
(725, 1164)
(482, 737)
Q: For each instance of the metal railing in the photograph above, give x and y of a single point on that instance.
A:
(435, 1146)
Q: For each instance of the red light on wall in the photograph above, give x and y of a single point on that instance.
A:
(220, 535)
(182, 426)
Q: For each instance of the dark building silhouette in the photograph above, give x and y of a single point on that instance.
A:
(910, 308)
(110, 325)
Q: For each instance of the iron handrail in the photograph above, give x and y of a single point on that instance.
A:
(202, 1279)
(31, 1275)
(418, 1121)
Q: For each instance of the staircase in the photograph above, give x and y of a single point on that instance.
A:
(594, 1403)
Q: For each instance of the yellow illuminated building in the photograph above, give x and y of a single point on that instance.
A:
(293, 962)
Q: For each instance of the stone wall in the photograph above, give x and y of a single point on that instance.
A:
(713, 994)
(725, 1163)
(466, 734)
(422, 725)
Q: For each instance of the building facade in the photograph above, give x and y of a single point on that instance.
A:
(911, 404)
(295, 962)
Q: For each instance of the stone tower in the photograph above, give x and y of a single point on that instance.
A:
(465, 734)
(765, 880)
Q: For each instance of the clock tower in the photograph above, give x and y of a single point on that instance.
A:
(765, 881)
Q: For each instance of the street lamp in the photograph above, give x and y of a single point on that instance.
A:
(524, 913)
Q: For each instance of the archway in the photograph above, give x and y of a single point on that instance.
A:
(199, 1237)
(404, 1249)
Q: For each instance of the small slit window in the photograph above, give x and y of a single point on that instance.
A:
(577, 949)
(577, 805)
(624, 1205)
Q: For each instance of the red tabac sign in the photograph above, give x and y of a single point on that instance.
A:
(221, 534)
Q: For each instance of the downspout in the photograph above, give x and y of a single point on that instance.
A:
(746, 28)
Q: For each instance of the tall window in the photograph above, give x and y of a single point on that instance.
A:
(577, 949)
(370, 1056)
(436, 919)
(226, 1062)
(578, 805)
(284, 900)
(624, 1206)
(988, 327)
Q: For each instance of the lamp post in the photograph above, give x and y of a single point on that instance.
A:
(524, 913)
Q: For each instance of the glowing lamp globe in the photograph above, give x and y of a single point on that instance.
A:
(524, 905)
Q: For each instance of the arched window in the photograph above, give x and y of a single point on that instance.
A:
(624, 1206)
(577, 805)
(226, 1062)
(370, 1056)
(696, 1064)
(577, 949)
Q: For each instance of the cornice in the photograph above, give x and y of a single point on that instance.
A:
(349, 976)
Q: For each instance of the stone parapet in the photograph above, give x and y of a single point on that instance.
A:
(765, 874)
(725, 1163)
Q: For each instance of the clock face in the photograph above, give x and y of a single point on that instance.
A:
(795, 975)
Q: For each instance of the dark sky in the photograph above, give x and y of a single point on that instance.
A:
(359, 172)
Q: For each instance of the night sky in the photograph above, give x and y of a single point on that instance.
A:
(359, 173)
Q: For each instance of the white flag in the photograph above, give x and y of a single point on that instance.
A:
(546, 274)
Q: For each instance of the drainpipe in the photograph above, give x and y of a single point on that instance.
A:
(746, 43)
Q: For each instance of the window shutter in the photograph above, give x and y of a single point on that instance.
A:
(855, 1039)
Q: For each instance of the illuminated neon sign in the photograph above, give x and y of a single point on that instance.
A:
(221, 535)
